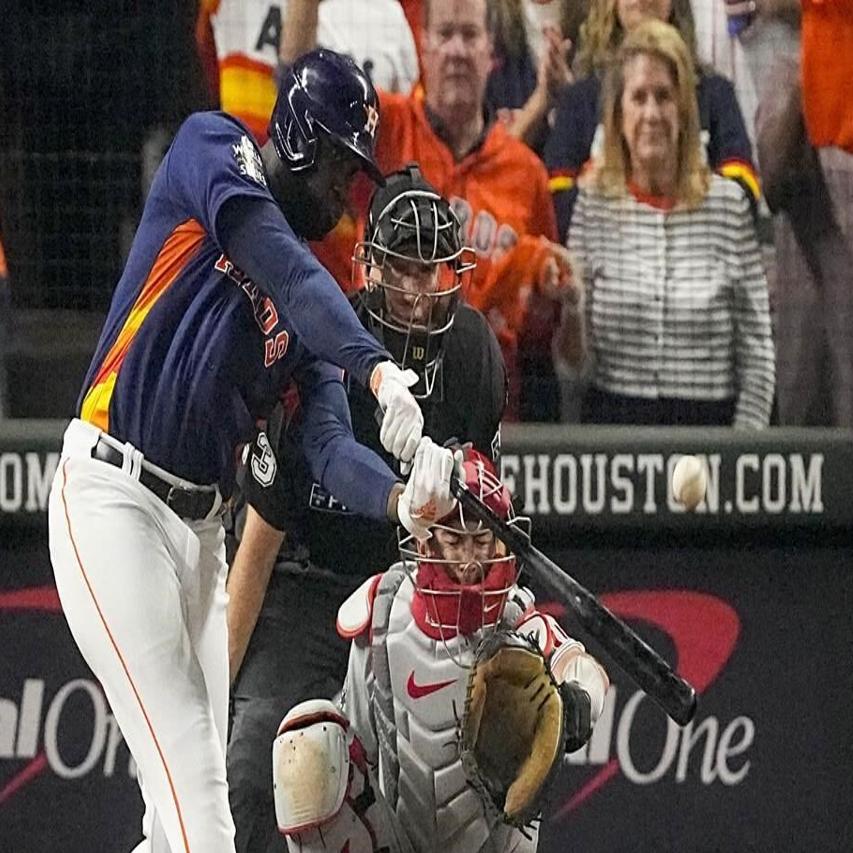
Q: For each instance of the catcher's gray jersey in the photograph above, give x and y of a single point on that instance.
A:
(405, 694)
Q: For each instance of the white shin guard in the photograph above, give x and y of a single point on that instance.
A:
(311, 766)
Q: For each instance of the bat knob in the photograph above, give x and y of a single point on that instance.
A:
(688, 709)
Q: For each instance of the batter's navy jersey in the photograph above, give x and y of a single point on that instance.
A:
(193, 352)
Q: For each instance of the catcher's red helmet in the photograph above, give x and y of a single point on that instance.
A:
(462, 591)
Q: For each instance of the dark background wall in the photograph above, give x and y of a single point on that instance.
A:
(757, 616)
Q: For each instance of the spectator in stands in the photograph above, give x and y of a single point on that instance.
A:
(576, 134)
(497, 186)
(805, 145)
(724, 29)
(675, 321)
(533, 51)
(248, 36)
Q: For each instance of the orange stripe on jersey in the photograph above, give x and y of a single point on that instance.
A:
(180, 246)
(742, 171)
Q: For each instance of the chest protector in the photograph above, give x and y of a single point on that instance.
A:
(417, 689)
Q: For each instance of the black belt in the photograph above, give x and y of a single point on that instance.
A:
(187, 503)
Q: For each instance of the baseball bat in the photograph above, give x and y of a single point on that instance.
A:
(638, 660)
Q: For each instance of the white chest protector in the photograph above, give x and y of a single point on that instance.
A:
(413, 698)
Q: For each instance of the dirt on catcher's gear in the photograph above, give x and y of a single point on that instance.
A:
(512, 731)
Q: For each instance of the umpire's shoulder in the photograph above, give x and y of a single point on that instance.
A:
(469, 321)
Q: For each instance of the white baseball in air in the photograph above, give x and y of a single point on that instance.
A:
(689, 482)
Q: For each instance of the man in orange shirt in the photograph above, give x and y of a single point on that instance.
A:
(497, 186)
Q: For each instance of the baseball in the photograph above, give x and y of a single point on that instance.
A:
(689, 482)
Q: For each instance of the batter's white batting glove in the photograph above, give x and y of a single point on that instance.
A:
(426, 497)
(402, 420)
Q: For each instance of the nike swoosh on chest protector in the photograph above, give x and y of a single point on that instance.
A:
(418, 691)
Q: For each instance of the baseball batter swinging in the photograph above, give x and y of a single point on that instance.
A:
(220, 305)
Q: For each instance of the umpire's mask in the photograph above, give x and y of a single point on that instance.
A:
(411, 268)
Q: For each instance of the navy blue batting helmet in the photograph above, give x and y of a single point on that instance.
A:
(327, 92)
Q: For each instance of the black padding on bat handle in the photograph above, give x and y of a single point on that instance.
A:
(634, 656)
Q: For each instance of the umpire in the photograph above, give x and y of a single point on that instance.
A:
(285, 587)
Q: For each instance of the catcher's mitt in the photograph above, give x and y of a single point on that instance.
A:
(512, 738)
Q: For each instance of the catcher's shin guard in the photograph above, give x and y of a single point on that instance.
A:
(310, 761)
(321, 783)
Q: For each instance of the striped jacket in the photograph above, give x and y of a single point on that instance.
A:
(676, 301)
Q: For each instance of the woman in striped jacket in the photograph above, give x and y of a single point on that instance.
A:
(671, 324)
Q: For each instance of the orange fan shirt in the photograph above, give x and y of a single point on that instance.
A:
(499, 191)
(827, 61)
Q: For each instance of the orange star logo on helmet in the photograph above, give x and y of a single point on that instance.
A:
(372, 119)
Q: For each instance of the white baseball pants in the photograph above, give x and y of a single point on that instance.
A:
(144, 595)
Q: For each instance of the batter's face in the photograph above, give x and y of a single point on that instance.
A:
(411, 289)
(328, 184)
(457, 50)
(466, 548)
(313, 201)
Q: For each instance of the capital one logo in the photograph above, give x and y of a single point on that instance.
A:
(703, 628)
(38, 723)
(704, 631)
(33, 731)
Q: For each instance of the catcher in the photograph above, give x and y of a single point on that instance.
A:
(459, 704)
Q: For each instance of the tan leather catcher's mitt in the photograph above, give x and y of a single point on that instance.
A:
(512, 739)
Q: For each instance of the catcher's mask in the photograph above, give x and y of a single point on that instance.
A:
(463, 574)
(412, 266)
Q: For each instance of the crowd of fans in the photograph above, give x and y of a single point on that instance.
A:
(599, 155)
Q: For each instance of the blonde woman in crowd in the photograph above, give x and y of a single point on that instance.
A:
(671, 324)
(576, 133)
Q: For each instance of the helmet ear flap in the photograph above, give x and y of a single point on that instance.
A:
(295, 134)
